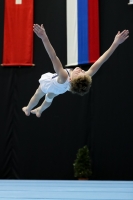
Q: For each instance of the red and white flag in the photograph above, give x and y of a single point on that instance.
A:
(18, 33)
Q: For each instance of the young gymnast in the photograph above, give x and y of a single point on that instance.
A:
(75, 80)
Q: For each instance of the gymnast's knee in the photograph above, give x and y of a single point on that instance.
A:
(48, 100)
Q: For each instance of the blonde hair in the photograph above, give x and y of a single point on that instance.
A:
(81, 85)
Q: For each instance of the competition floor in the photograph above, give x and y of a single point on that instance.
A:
(65, 190)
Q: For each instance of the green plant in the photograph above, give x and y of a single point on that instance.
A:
(82, 164)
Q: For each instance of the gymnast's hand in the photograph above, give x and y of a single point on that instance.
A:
(121, 37)
(39, 30)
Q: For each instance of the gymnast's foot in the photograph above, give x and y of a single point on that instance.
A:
(26, 111)
(36, 112)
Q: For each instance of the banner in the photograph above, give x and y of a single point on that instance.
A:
(82, 32)
(18, 33)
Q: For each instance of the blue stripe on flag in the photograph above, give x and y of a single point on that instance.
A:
(82, 31)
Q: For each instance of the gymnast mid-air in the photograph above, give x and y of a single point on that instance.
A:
(77, 81)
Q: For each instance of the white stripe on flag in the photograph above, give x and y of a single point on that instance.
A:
(18, 1)
(72, 37)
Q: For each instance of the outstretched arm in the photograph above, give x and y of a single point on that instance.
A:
(40, 32)
(119, 38)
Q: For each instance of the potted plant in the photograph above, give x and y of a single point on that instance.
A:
(82, 164)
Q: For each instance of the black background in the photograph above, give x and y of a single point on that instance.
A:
(45, 148)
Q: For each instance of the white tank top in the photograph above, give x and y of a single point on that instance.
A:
(48, 83)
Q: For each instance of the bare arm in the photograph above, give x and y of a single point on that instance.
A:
(40, 32)
(119, 38)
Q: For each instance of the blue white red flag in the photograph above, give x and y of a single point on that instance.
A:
(82, 31)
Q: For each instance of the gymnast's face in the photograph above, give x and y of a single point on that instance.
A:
(77, 72)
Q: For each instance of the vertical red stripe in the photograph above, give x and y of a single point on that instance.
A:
(18, 33)
(93, 27)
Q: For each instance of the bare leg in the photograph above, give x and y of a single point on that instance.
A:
(38, 111)
(33, 101)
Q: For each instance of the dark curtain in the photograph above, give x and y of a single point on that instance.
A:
(46, 147)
